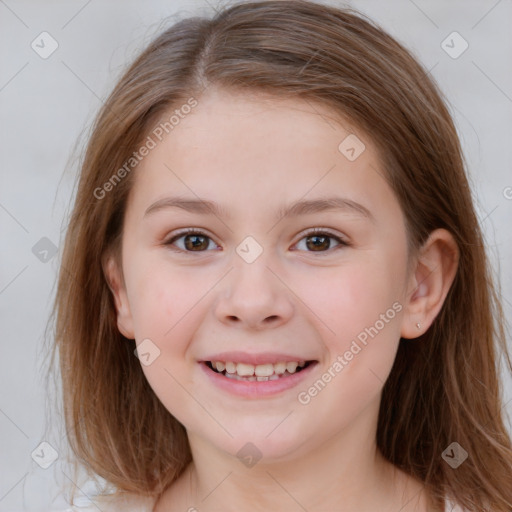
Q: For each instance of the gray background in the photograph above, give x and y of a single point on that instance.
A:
(47, 104)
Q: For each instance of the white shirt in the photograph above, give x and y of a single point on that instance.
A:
(144, 504)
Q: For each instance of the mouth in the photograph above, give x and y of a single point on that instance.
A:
(257, 373)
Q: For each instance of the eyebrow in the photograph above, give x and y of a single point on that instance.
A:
(301, 207)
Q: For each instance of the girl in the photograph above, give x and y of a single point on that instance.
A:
(274, 293)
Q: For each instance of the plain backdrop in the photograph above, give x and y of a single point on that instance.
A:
(47, 103)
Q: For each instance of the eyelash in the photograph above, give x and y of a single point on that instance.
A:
(312, 232)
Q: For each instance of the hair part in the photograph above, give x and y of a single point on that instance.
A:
(444, 387)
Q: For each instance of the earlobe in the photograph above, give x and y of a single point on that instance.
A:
(430, 282)
(116, 284)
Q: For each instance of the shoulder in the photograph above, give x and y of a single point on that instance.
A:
(114, 503)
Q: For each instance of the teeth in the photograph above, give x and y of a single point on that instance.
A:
(264, 370)
(291, 367)
(279, 368)
(244, 370)
(260, 372)
(230, 367)
(235, 376)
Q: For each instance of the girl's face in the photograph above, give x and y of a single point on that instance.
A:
(258, 287)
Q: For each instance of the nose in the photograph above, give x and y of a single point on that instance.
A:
(254, 297)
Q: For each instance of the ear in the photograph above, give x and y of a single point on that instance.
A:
(431, 278)
(117, 286)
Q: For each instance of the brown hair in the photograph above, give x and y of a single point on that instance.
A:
(442, 388)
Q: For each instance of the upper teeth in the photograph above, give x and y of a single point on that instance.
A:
(260, 370)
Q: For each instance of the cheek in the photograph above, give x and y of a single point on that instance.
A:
(360, 310)
(166, 315)
(368, 328)
(361, 305)
(169, 308)
(346, 301)
(160, 304)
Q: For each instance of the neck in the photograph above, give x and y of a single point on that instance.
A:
(292, 485)
(346, 473)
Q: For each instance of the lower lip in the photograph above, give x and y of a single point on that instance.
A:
(257, 389)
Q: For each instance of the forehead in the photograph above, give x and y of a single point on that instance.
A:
(252, 150)
(255, 124)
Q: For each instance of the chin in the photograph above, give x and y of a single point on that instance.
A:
(257, 443)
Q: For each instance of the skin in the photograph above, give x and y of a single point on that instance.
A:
(252, 155)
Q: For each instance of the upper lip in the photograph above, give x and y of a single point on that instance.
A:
(255, 359)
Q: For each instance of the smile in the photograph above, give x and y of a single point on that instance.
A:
(260, 372)
(257, 381)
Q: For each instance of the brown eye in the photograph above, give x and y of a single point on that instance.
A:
(196, 242)
(318, 242)
(321, 241)
(193, 241)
